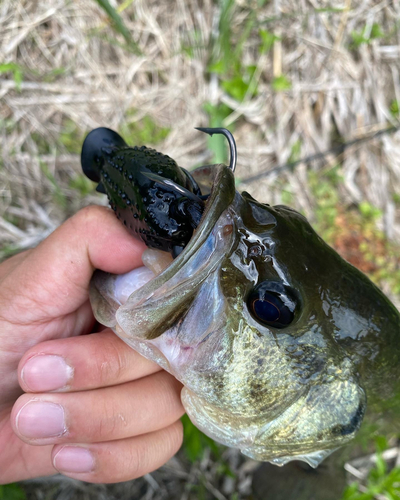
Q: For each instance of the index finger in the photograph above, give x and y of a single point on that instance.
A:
(53, 280)
(82, 363)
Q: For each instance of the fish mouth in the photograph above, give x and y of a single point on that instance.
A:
(178, 292)
(217, 179)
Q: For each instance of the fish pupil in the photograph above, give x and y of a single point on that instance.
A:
(272, 304)
(266, 310)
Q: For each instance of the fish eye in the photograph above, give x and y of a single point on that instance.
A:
(272, 304)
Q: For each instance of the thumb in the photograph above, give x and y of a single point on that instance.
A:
(53, 280)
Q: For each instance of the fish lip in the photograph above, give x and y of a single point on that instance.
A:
(221, 197)
(160, 304)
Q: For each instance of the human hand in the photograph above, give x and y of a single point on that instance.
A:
(93, 408)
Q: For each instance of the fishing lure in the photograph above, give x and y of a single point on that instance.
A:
(155, 199)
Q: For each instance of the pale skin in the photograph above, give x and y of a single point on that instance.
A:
(87, 406)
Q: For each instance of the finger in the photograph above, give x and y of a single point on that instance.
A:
(10, 264)
(118, 461)
(118, 412)
(79, 323)
(61, 266)
(82, 363)
(19, 461)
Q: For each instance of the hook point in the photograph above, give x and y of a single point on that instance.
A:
(232, 144)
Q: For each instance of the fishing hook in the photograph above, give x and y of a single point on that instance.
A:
(231, 141)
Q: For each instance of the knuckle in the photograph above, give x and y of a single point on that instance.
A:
(175, 436)
(107, 424)
(3, 476)
(169, 389)
(89, 214)
(88, 218)
(111, 362)
(137, 461)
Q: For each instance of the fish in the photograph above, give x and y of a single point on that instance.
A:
(285, 350)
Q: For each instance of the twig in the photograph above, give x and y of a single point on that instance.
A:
(337, 150)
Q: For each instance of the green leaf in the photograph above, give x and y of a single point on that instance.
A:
(217, 113)
(268, 39)
(351, 492)
(358, 39)
(380, 466)
(369, 211)
(217, 144)
(15, 69)
(250, 70)
(381, 443)
(217, 67)
(281, 83)
(395, 108)
(365, 36)
(295, 151)
(376, 31)
(236, 87)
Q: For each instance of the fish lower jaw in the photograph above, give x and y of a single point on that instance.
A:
(313, 459)
(250, 436)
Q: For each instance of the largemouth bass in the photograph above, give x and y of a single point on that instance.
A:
(284, 349)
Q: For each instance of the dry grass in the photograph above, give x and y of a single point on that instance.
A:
(73, 74)
(77, 74)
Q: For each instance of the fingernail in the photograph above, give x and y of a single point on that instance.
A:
(73, 459)
(41, 419)
(46, 373)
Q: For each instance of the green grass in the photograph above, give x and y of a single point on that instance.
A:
(71, 137)
(395, 108)
(235, 77)
(12, 492)
(355, 226)
(119, 25)
(58, 195)
(195, 442)
(217, 143)
(366, 35)
(142, 132)
(281, 83)
(82, 185)
(381, 481)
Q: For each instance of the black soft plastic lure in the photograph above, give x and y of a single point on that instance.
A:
(155, 199)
